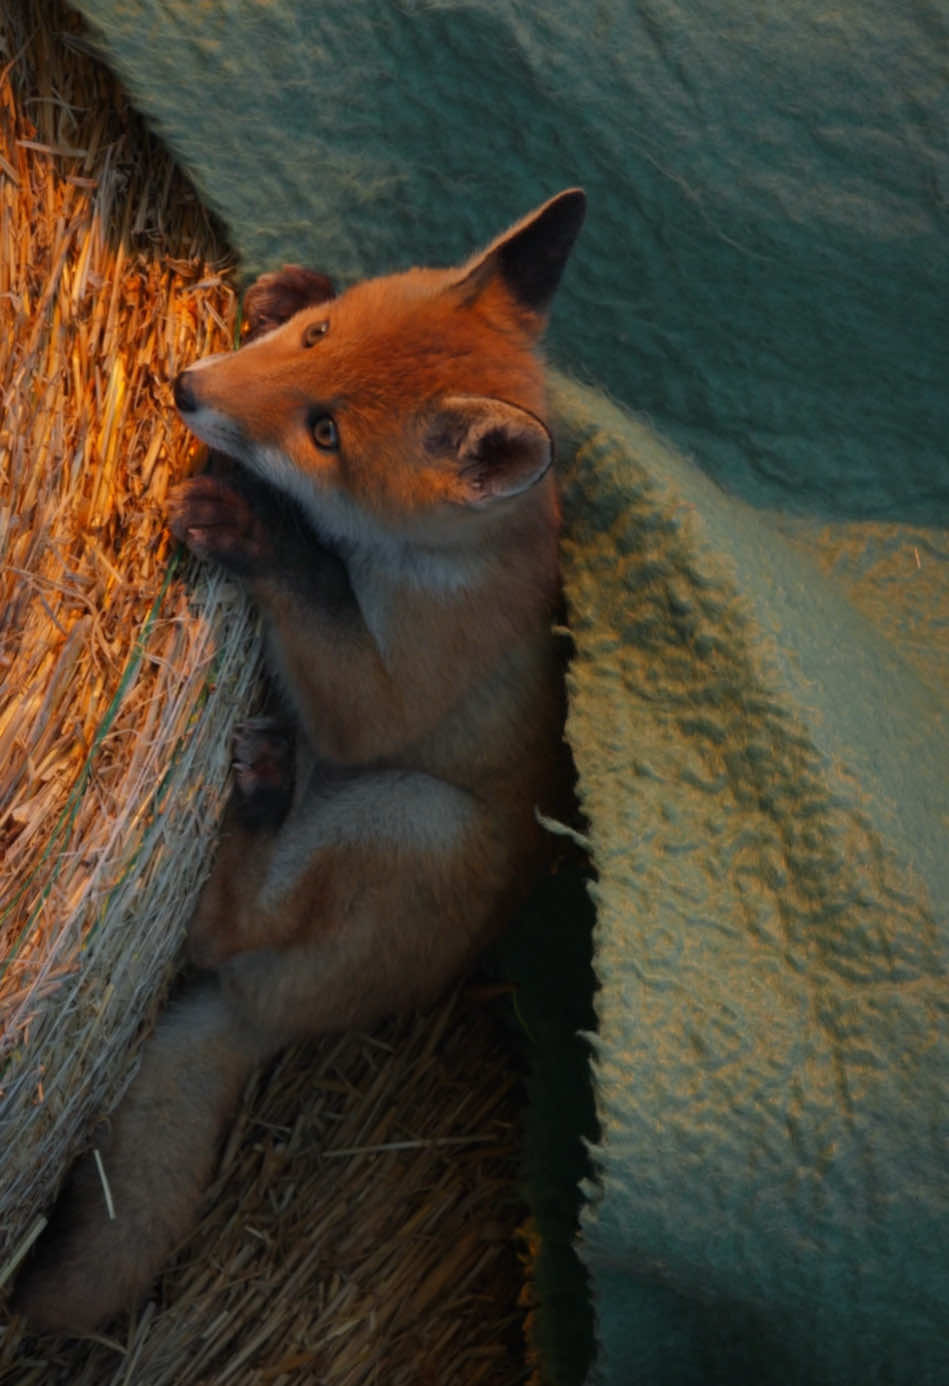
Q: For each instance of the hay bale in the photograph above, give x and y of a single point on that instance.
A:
(364, 1215)
(118, 678)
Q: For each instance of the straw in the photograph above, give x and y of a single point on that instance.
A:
(363, 1225)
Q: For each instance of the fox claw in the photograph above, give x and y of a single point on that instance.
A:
(215, 521)
(276, 296)
(263, 770)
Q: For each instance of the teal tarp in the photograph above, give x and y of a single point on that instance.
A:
(756, 569)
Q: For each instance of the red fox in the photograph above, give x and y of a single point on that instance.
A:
(386, 495)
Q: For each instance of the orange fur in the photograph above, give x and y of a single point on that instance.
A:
(392, 512)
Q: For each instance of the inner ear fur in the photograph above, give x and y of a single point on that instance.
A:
(529, 258)
(495, 450)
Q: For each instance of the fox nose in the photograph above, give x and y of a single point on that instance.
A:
(185, 397)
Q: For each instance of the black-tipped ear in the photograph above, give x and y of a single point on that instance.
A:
(530, 256)
(495, 449)
(274, 298)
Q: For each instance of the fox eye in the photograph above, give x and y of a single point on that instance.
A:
(325, 433)
(314, 331)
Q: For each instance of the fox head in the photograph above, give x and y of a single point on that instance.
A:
(412, 403)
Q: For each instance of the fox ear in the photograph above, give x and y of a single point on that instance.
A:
(530, 256)
(494, 449)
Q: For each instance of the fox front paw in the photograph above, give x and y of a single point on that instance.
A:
(276, 296)
(216, 521)
(263, 770)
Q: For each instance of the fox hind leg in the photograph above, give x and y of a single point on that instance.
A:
(158, 1151)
